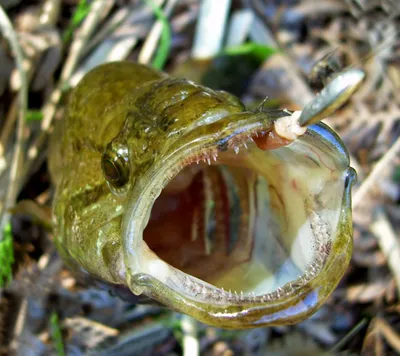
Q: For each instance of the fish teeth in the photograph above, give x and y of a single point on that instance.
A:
(208, 161)
(278, 292)
(198, 288)
(236, 149)
(244, 144)
(188, 282)
(236, 296)
(253, 296)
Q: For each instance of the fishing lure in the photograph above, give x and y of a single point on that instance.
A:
(238, 218)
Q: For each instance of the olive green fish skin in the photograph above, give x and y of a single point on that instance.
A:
(134, 111)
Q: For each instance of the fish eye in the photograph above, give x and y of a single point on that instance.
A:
(115, 169)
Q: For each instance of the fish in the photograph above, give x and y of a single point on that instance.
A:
(173, 192)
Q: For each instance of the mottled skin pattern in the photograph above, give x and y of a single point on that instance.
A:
(145, 115)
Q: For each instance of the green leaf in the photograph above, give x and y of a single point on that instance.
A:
(56, 334)
(80, 13)
(34, 115)
(259, 51)
(6, 256)
(165, 40)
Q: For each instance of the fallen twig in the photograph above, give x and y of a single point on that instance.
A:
(5, 135)
(19, 325)
(389, 244)
(389, 333)
(17, 159)
(89, 25)
(376, 173)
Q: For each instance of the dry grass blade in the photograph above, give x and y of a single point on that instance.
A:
(112, 42)
(111, 25)
(39, 214)
(391, 336)
(372, 344)
(376, 173)
(377, 330)
(284, 61)
(389, 244)
(19, 325)
(367, 292)
(6, 132)
(17, 159)
(89, 332)
(50, 12)
(89, 25)
(210, 28)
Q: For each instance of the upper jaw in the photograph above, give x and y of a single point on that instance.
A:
(148, 274)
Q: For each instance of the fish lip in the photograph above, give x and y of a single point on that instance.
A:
(323, 134)
(148, 189)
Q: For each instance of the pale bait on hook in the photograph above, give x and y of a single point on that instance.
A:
(168, 190)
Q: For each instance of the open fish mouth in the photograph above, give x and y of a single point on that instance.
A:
(241, 226)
